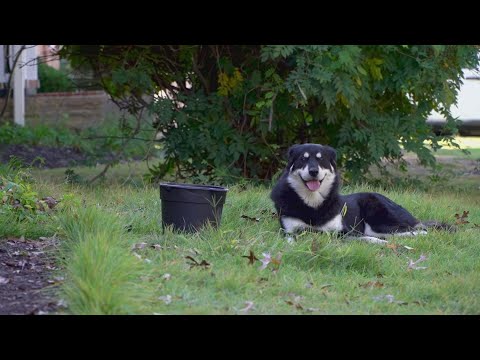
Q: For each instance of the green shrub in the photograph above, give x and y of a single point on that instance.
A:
(17, 195)
(53, 80)
(243, 106)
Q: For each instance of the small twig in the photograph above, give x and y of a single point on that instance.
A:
(270, 117)
(117, 154)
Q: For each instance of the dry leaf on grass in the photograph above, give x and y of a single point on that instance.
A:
(295, 301)
(390, 299)
(372, 284)
(460, 219)
(309, 285)
(251, 258)
(325, 286)
(194, 263)
(250, 218)
(268, 259)
(249, 306)
(167, 299)
(139, 246)
(412, 265)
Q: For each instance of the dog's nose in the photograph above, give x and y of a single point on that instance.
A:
(313, 172)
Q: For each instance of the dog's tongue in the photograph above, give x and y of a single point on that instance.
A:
(313, 185)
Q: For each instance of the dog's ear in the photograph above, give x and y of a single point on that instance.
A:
(292, 154)
(332, 155)
(291, 151)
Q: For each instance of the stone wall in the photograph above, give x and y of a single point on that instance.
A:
(76, 110)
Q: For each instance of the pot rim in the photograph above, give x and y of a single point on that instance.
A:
(193, 187)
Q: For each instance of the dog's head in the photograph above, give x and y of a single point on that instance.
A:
(312, 165)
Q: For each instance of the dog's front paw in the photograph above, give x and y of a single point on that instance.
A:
(290, 239)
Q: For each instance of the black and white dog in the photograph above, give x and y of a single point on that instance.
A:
(307, 197)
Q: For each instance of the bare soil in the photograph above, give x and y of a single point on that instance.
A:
(28, 279)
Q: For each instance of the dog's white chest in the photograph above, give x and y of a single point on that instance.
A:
(335, 224)
(291, 224)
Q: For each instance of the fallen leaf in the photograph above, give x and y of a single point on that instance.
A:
(139, 246)
(372, 284)
(194, 262)
(249, 306)
(267, 259)
(390, 299)
(309, 285)
(4, 281)
(407, 247)
(295, 301)
(277, 260)
(138, 256)
(312, 309)
(325, 286)
(266, 211)
(62, 303)
(461, 219)
(22, 263)
(393, 246)
(167, 299)
(250, 218)
(50, 201)
(413, 264)
(251, 258)
(297, 305)
(166, 277)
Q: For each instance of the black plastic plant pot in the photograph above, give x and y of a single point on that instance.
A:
(189, 207)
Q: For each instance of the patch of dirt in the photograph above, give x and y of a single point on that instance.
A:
(27, 277)
(53, 157)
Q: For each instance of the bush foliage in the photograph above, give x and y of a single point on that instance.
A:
(231, 111)
(53, 80)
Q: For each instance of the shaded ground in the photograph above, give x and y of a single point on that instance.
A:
(27, 277)
(53, 157)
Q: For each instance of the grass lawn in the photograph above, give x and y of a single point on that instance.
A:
(116, 260)
(471, 143)
(319, 274)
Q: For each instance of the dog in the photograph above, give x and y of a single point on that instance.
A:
(307, 197)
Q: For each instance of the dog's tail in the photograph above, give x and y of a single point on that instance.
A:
(436, 225)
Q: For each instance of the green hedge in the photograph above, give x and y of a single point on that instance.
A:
(53, 80)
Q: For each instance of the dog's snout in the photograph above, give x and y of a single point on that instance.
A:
(313, 172)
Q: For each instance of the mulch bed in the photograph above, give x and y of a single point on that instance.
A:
(28, 279)
(53, 157)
